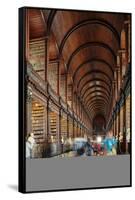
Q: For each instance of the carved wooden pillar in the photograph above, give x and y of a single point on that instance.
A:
(47, 119)
(115, 124)
(58, 78)
(113, 94)
(129, 42)
(46, 57)
(123, 56)
(77, 129)
(59, 126)
(67, 126)
(118, 145)
(75, 104)
(124, 123)
(80, 132)
(118, 74)
(81, 112)
(66, 85)
(116, 84)
(73, 129)
(72, 101)
(128, 38)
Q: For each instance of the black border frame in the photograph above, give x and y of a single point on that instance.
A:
(22, 87)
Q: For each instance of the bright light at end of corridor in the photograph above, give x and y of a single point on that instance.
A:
(99, 139)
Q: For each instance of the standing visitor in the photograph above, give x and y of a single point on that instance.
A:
(109, 144)
(29, 145)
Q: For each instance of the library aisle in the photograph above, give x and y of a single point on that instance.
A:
(78, 83)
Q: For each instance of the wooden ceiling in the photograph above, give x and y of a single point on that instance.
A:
(87, 43)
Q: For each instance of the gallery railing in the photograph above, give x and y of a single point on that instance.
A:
(35, 77)
(63, 104)
(53, 94)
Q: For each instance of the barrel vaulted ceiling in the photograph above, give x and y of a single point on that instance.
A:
(88, 43)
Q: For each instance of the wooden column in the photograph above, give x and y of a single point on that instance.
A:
(124, 123)
(115, 124)
(113, 94)
(119, 147)
(59, 126)
(46, 57)
(75, 103)
(80, 131)
(58, 78)
(81, 111)
(123, 67)
(76, 106)
(67, 126)
(77, 130)
(73, 129)
(118, 75)
(72, 101)
(116, 83)
(128, 38)
(129, 42)
(123, 54)
(47, 119)
(66, 88)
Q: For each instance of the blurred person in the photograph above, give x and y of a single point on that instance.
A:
(109, 144)
(30, 142)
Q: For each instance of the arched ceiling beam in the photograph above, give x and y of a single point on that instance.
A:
(92, 72)
(99, 102)
(94, 80)
(97, 109)
(88, 22)
(97, 97)
(95, 105)
(96, 86)
(95, 91)
(94, 109)
(50, 20)
(91, 44)
(90, 61)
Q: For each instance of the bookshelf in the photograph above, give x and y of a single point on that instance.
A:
(53, 126)
(38, 121)
(64, 128)
(36, 57)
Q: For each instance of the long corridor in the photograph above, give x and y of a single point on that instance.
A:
(78, 81)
